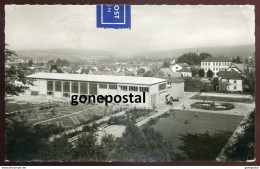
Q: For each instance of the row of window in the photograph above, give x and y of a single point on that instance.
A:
(124, 88)
(215, 69)
(216, 63)
(72, 87)
(235, 88)
(84, 87)
(233, 81)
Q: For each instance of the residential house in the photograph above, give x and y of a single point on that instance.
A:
(86, 71)
(230, 81)
(185, 72)
(179, 66)
(166, 72)
(240, 68)
(175, 85)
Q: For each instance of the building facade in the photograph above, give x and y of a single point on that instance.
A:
(166, 72)
(186, 72)
(177, 67)
(230, 81)
(240, 68)
(215, 64)
(175, 85)
(65, 85)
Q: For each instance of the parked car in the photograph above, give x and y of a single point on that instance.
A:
(168, 102)
(174, 100)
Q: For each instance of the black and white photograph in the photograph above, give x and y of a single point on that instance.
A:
(129, 83)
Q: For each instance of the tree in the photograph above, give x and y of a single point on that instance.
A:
(141, 70)
(13, 74)
(204, 56)
(21, 141)
(166, 64)
(86, 149)
(55, 69)
(194, 72)
(61, 62)
(192, 85)
(237, 60)
(201, 73)
(148, 74)
(215, 83)
(193, 58)
(30, 63)
(107, 147)
(51, 62)
(9, 53)
(210, 73)
(143, 145)
(244, 147)
(58, 150)
(249, 82)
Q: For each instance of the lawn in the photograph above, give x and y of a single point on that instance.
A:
(197, 136)
(222, 99)
(11, 107)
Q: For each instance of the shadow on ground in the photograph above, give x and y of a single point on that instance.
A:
(202, 147)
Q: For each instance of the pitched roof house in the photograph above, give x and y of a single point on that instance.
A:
(230, 81)
(166, 72)
(179, 66)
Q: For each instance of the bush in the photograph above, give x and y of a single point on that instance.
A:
(117, 120)
(136, 113)
(153, 121)
(222, 99)
(11, 107)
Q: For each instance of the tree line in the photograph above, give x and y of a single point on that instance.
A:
(27, 143)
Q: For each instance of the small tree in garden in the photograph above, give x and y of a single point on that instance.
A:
(210, 73)
(201, 73)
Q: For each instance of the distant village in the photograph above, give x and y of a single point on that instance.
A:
(217, 74)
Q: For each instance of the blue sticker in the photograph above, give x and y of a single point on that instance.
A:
(113, 16)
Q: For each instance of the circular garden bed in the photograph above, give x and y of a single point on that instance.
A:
(212, 106)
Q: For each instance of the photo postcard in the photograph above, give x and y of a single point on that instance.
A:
(129, 83)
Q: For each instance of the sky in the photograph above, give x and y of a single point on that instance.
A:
(153, 28)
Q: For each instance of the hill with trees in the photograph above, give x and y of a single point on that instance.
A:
(192, 58)
(215, 51)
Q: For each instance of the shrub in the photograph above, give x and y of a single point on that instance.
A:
(116, 120)
(153, 121)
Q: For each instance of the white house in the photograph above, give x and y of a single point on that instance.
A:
(176, 67)
(215, 64)
(230, 81)
(186, 72)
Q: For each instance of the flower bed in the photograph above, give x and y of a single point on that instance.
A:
(212, 106)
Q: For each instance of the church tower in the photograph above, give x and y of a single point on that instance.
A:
(198, 51)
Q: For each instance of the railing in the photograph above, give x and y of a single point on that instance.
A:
(102, 126)
(140, 119)
(72, 139)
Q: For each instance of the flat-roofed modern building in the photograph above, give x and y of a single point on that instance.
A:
(65, 85)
